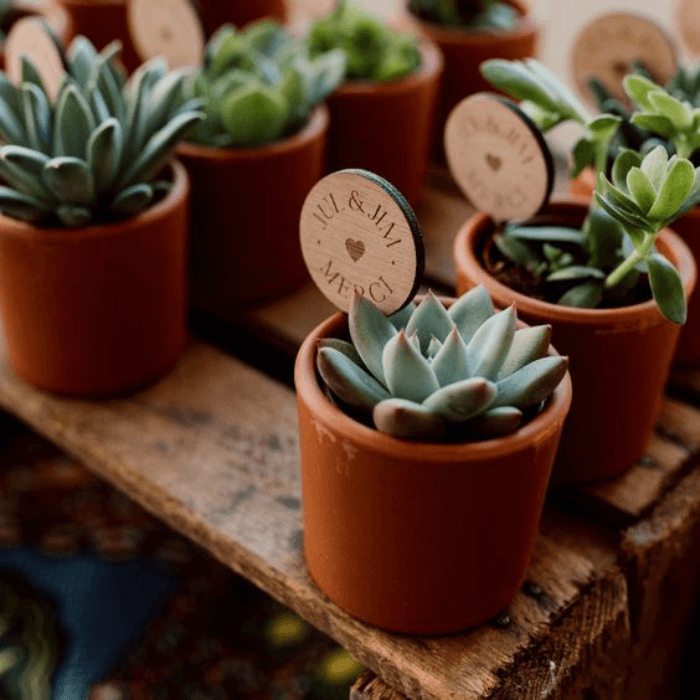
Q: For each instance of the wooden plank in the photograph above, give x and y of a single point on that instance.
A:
(212, 450)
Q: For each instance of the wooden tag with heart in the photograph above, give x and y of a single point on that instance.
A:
(498, 157)
(607, 48)
(357, 232)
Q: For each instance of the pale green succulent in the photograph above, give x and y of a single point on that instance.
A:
(470, 14)
(431, 373)
(94, 156)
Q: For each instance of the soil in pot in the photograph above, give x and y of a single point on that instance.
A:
(245, 211)
(386, 127)
(101, 309)
(420, 538)
(619, 357)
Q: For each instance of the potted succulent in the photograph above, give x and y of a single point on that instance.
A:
(661, 119)
(426, 444)
(382, 115)
(252, 161)
(93, 229)
(592, 275)
(469, 32)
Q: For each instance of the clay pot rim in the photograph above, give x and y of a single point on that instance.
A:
(318, 123)
(469, 454)
(432, 63)
(65, 235)
(640, 315)
(464, 36)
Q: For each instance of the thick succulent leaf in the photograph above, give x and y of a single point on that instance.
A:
(491, 424)
(407, 420)
(164, 98)
(433, 348)
(667, 288)
(110, 90)
(28, 73)
(370, 331)
(471, 310)
(450, 363)
(462, 400)
(69, 180)
(605, 236)
(71, 215)
(655, 123)
(531, 384)
(136, 127)
(548, 234)
(641, 188)
(132, 200)
(575, 272)
(81, 56)
(586, 295)
(105, 154)
(401, 317)
(529, 344)
(21, 206)
(640, 89)
(516, 250)
(348, 349)
(415, 341)
(349, 382)
(22, 168)
(584, 155)
(98, 105)
(254, 115)
(654, 166)
(490, 345)
(329, 72)
(37, 117)
(74, 124)
(624, 162)
(678, 184)
(9, 94)
(429, 319)
(408, 374)
(11, 113)
(679, 113)
(693, 199)
(293, 89)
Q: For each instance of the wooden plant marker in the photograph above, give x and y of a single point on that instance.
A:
(498, 157)
(169, 28)
(607, 47)
(688, 24)
(31, 37)
(358, 233)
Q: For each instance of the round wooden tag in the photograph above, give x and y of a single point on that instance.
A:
(688, 24)
(498, 157)
(168, 28)
(358, 233)
(608, 46)
(29, 36)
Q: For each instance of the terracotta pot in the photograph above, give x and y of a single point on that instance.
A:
(414, 537)
(102, 21)
(100, 309)
(619, 358)
(688, 228)
(465, 50)
(239, 12)
(386, 127)
(246, 205)
(58, 19)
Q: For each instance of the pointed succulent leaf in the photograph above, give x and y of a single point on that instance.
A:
(586, 295)
(74, 124)
(415, 341)
(12, 125)
(349, 382)
(680, 114)
(28, 73)
(491, 424)
(679, 182)
(490, 345)
(531, 384)
(37, 117)
(450, 363)
(69, 180)
(429, 319)
(254, 115)
(104, 153)
(132, 200)
(164, 98)
(654, 165)
(462, 400)
(370, 331)
(667, 288)
(72, 215)
(21, 206)
(348, 349)
(9, 94)
(640, 89)
(81, 57)
(407, 420)
(549, 234)
(22, 168)
(433, 348)
(529, 344)
(408, 374)
(624, 162)
(641, 188)
(401, 317)
(98, 104)
(575, 272)
(471, 310)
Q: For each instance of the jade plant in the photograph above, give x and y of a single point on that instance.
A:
(472, 14)
(604, 264)
(372, 50)
(259, 85)
(94, 155)
(431, 373)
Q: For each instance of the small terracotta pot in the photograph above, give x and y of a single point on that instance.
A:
(688, 228)
(58, 19)
(421, 538)
(100, 309)
(246, 205)
(465, 50)
(239, 12)
(386, 127)
(619, 358)
(102, 21)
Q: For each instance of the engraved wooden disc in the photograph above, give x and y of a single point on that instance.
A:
(358, 233)
(498, 157)
(688, 24)
(30, 37)
(168, 28)
(607, 47)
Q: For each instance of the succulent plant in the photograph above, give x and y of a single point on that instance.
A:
(648, 191)
(372, 50)
(259, 85)
(474, 14)
(431, 373)
(94, 155)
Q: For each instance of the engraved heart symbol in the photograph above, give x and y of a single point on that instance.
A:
(356, 249)
(494, 162)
